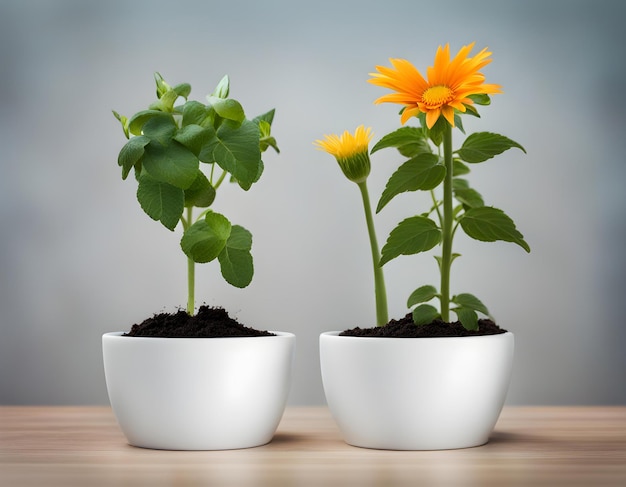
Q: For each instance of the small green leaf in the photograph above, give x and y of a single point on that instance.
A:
(458, 122)
(425, 314)
(480, 146)
(466, 300)
(480, 99)
(136, 122)
(227, 108)
(467, 317)
(194, 137)
(235, 259)
(423, 172)
(459, 169)
(421, 295)
(489, 224)
(453, 257)
(222, 88)
(195, 113)
(409, 141)
(236, 149)
(204, 240)
(161, 201)
(466, 195)
(183, 89)
(161, 129)
(436, 132)
(124, 121)
(173, 164)
(200, 194)
(132, 153)
(267, 117)
(411, 236)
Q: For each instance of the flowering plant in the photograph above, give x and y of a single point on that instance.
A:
(167, 144)
(452, 87)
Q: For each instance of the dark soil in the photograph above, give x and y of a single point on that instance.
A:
(405, 328)
(206, 323)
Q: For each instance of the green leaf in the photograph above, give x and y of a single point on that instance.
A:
(236, 150)
(227, 108)
(410, 141)
(480, 99)
(459, 169)
(267, 117)
(425, 314)
(466, 300)
(204, 240)
(436, 132)
(266, 140)
(458, 122)
(466, 195)
(453, 257)
(480, 146)
(195, 113)
(183, 89)
(161, 201)
(467, 317)
(421, 295)
(137, 121)
(161, 129)
(124, 121)
(200, 194)
(489, 224)
(222, 88)
(194, 137)
(411, 236)
(422, 172)
(131, 153)
(173, 164)
(235, 259)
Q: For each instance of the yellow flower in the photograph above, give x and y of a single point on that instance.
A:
(351, 152)
(447, 89)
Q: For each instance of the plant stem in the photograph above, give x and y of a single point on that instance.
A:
(191, 274)
(382, 315)
(446, 226)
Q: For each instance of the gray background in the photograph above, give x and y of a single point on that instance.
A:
(79, 258)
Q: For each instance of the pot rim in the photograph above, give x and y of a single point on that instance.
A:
(335, 334)
(119, 334)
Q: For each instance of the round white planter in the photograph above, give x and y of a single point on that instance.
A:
(198, 393)
(416, 393)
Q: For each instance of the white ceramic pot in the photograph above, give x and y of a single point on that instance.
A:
(416, 393)
(198, 393)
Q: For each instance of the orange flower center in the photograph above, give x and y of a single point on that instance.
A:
(436, 96)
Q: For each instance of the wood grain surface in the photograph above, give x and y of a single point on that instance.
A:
(531, 446)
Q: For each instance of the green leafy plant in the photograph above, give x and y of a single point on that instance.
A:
(181, 151)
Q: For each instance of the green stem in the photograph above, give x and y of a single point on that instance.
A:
(191, 274)
(219, 181)
(382, 315)
(446, 227)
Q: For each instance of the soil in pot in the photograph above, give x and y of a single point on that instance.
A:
(206, 323)
(406, 328)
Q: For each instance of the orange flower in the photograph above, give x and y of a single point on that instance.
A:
(447, 89)
(351, 152)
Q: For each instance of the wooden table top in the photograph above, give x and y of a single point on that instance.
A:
(531, 446)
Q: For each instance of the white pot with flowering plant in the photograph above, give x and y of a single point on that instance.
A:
(197, 379)
(425, 381)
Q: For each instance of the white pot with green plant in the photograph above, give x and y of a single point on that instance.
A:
(197, 380)
(424, 382)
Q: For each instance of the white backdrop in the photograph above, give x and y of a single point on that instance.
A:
(78, 257)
